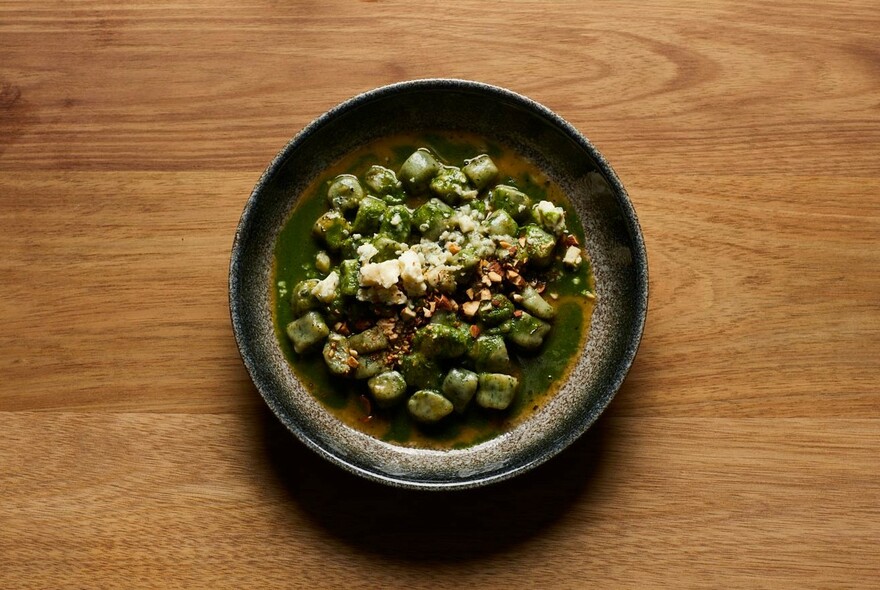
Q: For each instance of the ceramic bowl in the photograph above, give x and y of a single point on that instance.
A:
(614, 243)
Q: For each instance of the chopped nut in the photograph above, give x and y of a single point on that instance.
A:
(517, 297)
(554, 296)
(517, 313)
(522, 242)
(408, 313)
(352, 362)
(470, 293)
(494, 277)
(504, 244)
(485, 295)
(470, 308)
(427, 312)
(475, 331)
(486, 280)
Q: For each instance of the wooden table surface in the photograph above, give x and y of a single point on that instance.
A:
(743, 449)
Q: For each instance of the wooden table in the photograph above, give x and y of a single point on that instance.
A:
(743, 450)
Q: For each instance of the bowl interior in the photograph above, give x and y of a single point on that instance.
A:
(614, 244)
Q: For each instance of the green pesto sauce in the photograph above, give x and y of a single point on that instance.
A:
(540, 374)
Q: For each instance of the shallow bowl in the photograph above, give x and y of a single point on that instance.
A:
(614, 243)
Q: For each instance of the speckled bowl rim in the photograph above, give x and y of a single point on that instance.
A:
(639, 256)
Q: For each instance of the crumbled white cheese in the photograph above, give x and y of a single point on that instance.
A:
(431, 253)
(411, 274)
(451, 236)
(465, 222)
(395, 219)
(572, 257)
(392, 295)
(380, 274)
(439, 275)
(326, 290)
(366, 252)
(483, 247)
(550, 216)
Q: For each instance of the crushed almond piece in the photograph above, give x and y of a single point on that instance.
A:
(486, 280)
(408, 313)
(517, 313)
(470, 293)
(522, 242)
(517, 297)
(470, 308)
(475, 331)
(504, 244)
(494, 276)
(352, 362)
(485, 295)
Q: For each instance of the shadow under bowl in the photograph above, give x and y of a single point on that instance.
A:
(614, 244)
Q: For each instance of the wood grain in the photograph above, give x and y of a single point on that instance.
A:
(764, 503)
(744, 448)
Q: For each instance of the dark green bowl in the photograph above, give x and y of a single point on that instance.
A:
(614, 243)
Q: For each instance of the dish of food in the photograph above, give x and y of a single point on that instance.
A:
(557, 379)
(444, 286)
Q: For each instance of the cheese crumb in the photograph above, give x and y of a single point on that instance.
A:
(380, 274)
(550, 216)
(366, 252)
(325, 290)
(411, 274)
(572, 257)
